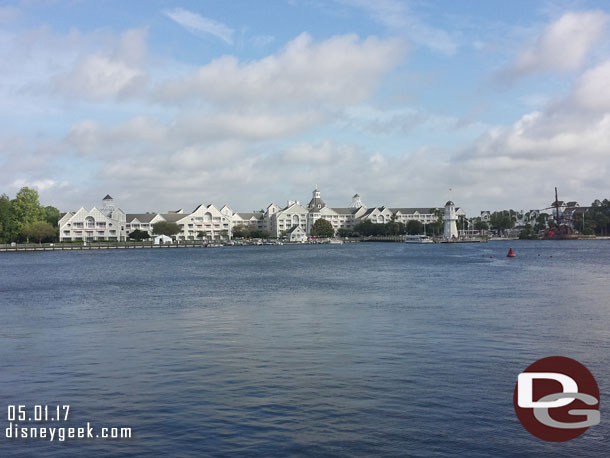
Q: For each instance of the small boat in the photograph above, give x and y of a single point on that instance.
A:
(335, 242)
(418, 239)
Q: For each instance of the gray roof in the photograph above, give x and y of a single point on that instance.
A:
(579, 210)
(142, 217)
(314, 202)
(410, 211)
(173, 217)
(108, 197)
(345, 211)
(247, 216)
(292, 229)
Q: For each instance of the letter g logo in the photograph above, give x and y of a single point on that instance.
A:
(551, 399)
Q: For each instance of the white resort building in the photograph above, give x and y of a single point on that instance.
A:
(210, 223)
(105, 224)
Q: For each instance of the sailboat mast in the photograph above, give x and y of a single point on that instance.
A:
(556, 206)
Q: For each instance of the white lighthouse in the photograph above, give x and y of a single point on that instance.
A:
(450, 232)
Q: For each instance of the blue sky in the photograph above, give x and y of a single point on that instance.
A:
(173, 104)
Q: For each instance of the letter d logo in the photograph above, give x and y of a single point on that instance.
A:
(525, 384)
(556, 399)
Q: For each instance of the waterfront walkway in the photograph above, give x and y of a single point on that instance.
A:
(100, 246)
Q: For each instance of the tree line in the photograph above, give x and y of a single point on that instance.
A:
(368, 228)
(23, 218)
(596, 220)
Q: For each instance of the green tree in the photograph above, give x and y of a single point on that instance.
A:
(480, 225)
(39, 230)
(241, 231)
(258, 234)
(51, 215)
(25, 209)
(166, 228)
(5, 210)
(436, 227)
(139, 235)
(583, 223)
(599, 213)
(528, 233)
(414, 227)
(541, 222)
(368, 228)
(322, 228)
(392, 228)
(503, 220)
(344, 232)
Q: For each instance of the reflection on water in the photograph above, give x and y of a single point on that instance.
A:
(352, 350)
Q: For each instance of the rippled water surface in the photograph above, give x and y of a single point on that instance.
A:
(354, 350)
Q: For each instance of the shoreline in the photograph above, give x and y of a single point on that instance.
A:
(139, 245)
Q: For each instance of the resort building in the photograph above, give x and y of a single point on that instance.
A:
(293, 221)
(107, 223)
(296, 234)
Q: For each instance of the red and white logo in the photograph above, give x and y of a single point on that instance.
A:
(557, 399)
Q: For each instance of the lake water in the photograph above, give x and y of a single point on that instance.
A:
(364, 349)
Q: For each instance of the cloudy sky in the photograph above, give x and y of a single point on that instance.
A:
(172, 104)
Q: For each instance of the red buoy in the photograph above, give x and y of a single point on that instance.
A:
(511, 254)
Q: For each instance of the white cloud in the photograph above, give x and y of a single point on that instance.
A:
(40, 185)
(241, 132)
(198, 25)
(261, 41)
(107, 74)
(324, 153)
(592, 90)
(563, 45)
(565, 145)
(342, 69)
(397, 16)
(250, 125)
